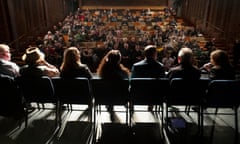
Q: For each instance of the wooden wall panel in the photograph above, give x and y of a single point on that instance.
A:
(214, 16)
(21, 19)
(5, 36)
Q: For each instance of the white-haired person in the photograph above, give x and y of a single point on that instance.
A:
(185, 68)
(7, 67)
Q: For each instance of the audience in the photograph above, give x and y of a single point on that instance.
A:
(7, 67)
(36, 65)
(95, 27)
(72, 66)
(219, 66)
(186, 68)
(168, 61)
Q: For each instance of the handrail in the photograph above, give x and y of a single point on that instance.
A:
(215, 27)
(14, 41)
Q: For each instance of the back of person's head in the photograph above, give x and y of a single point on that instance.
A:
(4, 52)
(150, 51)
(33, 55)
(219, 57)
(113, 57)
(71, 54)
(185, 56)
(109, 62)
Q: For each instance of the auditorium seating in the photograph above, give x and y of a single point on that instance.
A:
(38, 90)
(11, 104)
(139, 91)
(222, 94)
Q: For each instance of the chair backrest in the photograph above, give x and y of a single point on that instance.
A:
(185, 92)
(72, 90)
(110, 91)
(37, 89)
(11, 103)
(223, 93)
(144, 91)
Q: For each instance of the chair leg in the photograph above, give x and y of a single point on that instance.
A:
(127, 114)
(187, 109)
(26, 119)
(236, 125)
(162, 119)
(166, 118)
(201, 121)
(43, 106)
(94, 124)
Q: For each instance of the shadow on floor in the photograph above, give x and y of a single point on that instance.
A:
(141, 133)
(75, 132)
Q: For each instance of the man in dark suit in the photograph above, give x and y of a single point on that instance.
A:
(149, 67)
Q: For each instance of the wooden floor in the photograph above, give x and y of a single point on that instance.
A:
(112, 128)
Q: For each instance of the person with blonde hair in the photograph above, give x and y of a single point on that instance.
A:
(36, 65)
(71, 66)
(219, 66)
(7, 67)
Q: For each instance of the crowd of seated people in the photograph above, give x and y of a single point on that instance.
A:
(111, 67)
(128, 31)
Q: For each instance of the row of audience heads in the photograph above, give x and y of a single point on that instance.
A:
(72, 58)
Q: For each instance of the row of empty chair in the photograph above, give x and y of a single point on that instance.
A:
(95, 92)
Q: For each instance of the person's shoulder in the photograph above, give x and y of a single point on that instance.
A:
(176, 68)
(10, 63)
(159, 63)
(142, 62)
(6, 76)
(83, 65)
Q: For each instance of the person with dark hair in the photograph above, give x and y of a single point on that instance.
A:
(111, 67)
(236, 54)
(148, 67)
(72, 67)
(112, 70)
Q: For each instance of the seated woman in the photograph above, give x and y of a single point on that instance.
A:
(72, 66)
(36, 65)
(111, 69)
(219, 66)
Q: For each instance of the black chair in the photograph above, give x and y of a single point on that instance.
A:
(186, 93)
(222, 94)
(109, 93)
(149, 91)
(113, 92)
(38, 90)
(12, 103)
(73, 91)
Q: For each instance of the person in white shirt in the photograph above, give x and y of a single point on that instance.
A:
(7, 67)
